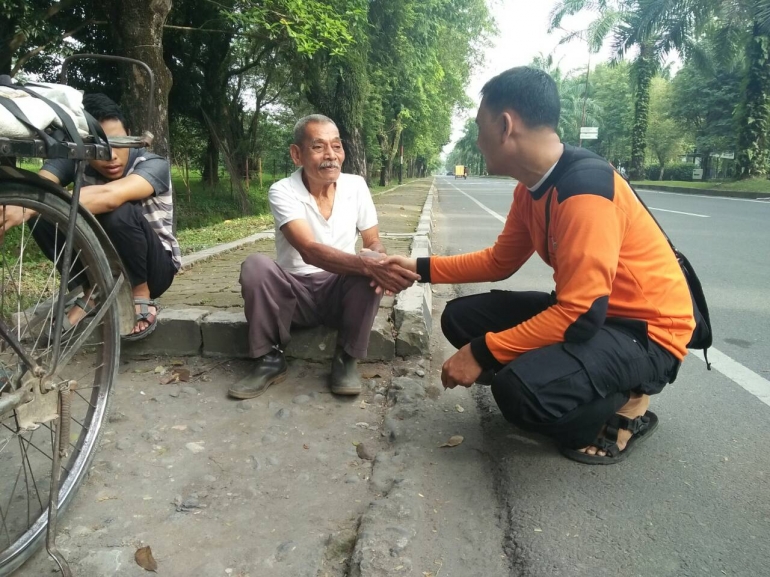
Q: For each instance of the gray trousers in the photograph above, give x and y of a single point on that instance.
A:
(275, 301)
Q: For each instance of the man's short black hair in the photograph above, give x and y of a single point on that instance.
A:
(102, 108)
(530, 92)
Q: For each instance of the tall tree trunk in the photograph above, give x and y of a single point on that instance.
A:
(355, 151)
(338, 87)
(645, 70)
(211, 163)
(214, 97)
(139, 28)
(754, 112)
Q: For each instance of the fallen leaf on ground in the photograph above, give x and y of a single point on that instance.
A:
(177, 363)
(459, 409)
(169, 380)
(181, 374)
(179, 427)
(145, 560)
(160, 370)
(305, 447)
(453, 441)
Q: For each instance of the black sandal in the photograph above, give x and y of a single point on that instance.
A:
(144, 314)
(640, 427)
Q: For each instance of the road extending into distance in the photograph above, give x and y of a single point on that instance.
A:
(695, 498)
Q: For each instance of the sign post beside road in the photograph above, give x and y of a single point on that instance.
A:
(589, 133)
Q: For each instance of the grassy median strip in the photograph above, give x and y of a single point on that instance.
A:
(749, 185)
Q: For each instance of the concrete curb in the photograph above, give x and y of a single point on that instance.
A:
(704, 191)
(412, 314)
(194, 331)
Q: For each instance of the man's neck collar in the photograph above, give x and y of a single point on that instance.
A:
(535, 167)
(319, 190)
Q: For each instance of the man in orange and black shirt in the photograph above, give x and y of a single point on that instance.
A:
(580, 363)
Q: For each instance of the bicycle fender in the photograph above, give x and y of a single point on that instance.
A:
(125, 300)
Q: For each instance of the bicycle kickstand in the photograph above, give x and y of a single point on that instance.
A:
(61, 442)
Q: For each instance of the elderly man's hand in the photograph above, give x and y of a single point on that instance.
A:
(460, 369)
(389, 276)
(11, 216)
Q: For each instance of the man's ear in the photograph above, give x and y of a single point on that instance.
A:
(296, 155)
(508, 120)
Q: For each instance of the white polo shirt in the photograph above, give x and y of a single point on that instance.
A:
(352, 212)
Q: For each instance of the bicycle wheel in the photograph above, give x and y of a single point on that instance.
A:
(30, 285)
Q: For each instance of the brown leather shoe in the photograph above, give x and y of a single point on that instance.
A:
(268, 370)
(344, 379)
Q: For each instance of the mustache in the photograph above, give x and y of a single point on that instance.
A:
(330, 164)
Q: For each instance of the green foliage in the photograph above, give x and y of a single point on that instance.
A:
(612, 91)
(665, 137)
(681, 171)
(754, 112)
(704, 100)
(308, 25)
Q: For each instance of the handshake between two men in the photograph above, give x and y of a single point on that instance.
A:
(390, 274)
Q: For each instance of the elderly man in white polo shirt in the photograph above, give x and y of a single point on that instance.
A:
(317, 278)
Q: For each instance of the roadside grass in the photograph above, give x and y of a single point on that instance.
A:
(195, 239)
(750, 185)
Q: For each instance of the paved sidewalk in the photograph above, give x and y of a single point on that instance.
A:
(203, 311)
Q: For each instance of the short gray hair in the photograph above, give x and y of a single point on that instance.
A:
(301, 126)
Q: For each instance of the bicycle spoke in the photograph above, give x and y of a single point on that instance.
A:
(71, 444)
(31, 473)
(13, 492)
(86, 400)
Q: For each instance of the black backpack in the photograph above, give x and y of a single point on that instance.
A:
(702, 336)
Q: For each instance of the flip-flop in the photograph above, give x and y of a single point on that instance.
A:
(144, 314)
(641, 428)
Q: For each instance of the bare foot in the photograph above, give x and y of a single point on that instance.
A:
(636, 406)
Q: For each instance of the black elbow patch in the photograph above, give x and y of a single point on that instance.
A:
(589, 322)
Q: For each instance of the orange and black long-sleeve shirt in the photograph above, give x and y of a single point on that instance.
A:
(610, 260)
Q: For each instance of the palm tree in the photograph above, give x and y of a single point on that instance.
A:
(577, 107)
(737, 25)
(622, 20)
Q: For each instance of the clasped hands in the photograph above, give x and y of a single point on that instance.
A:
(389, 274)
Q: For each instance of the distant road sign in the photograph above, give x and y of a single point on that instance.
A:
(589, 133)
(697, 174)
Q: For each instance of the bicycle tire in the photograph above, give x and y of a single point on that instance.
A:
(52, 207)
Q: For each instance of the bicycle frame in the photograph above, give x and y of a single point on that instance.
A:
(42, 385)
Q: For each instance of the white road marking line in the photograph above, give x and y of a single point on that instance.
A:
(646, 191)
(740, 375)
(680, 212)
(483, 207)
